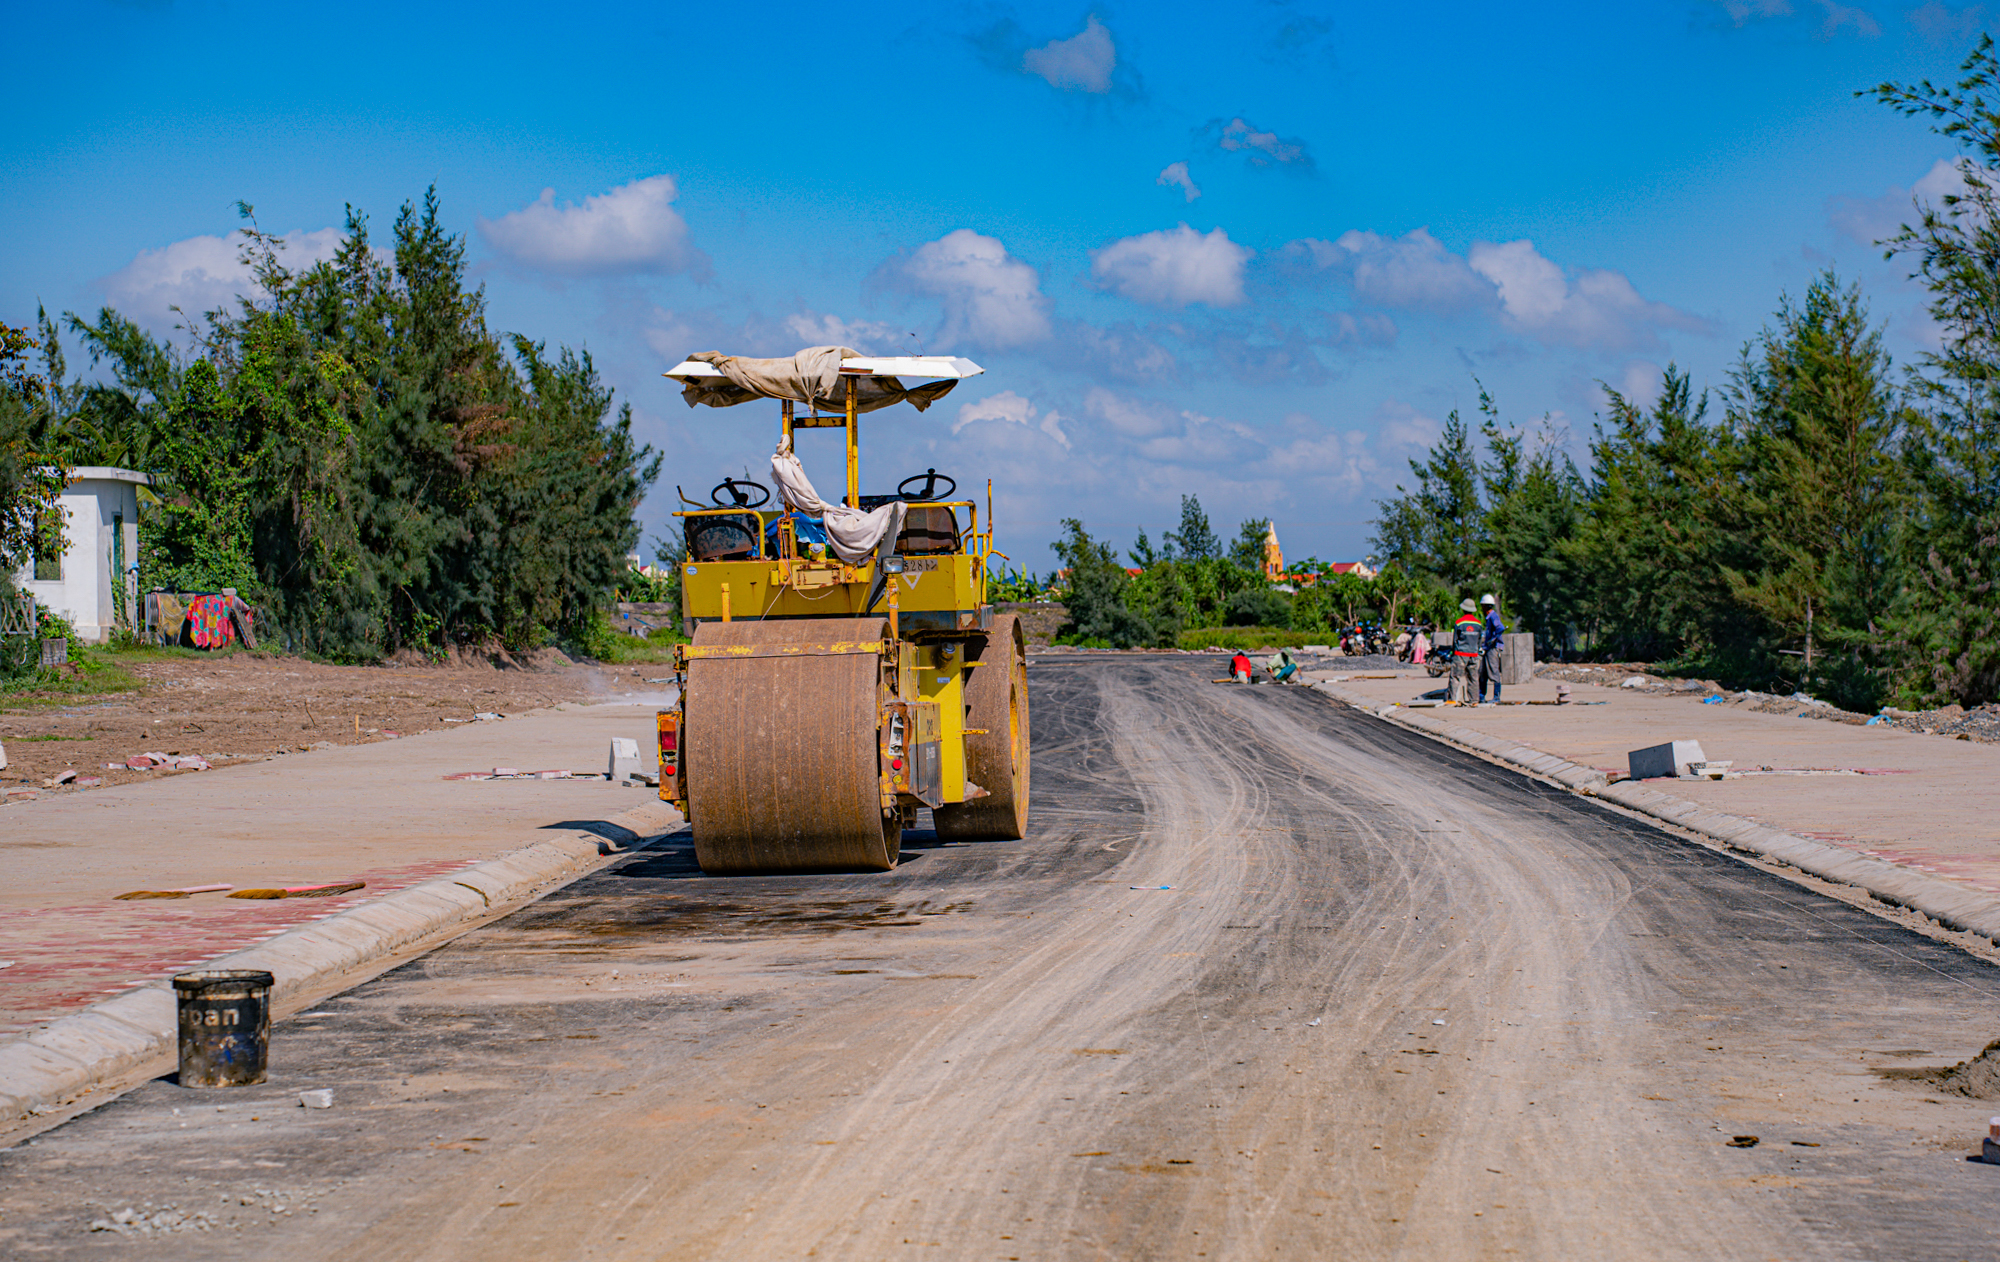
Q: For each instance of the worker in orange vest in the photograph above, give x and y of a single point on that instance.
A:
(1468, 637)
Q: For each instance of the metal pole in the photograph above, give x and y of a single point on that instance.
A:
(853, 449)
(787, 406)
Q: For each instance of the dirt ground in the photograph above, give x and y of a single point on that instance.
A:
(246, 707)
(1344, 993)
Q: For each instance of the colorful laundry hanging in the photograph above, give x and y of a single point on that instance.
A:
(209, 623)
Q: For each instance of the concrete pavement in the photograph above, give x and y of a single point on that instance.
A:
(379, 813)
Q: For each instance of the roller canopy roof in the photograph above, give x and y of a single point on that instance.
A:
(818, 376)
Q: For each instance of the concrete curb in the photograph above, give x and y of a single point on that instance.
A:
(1951, 905)
(43, 1070)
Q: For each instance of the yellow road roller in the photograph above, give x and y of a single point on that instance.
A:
(846, 669)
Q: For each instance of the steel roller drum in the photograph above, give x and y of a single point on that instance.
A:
(996, 691)
(781, 752)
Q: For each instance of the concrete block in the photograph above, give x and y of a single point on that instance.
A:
(1519, 664)
(624, 759)
(1671, 759)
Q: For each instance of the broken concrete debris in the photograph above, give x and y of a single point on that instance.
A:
(162, 762)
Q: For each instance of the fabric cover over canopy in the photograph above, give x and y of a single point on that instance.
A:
(850, 533)
(811, 376)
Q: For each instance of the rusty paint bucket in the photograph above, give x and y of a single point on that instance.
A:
(225, 1018)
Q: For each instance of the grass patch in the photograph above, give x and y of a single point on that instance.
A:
(657, 648)
(1249, 639)
(92, 672)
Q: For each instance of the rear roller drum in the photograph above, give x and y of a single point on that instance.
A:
(996, 693)
(782, 754)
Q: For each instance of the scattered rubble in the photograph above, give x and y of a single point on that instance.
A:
(139, 1222)
(1980, 724)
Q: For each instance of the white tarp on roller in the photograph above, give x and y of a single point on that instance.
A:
(811, 376)
(851, 533)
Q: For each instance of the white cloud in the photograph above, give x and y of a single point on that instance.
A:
(1128, 417)
(1942, 24)
(1640, 382)
(1120, 351)
(1176, 176)
(989, 296)
(1262, 148)
(1371, 328)
(1743, 11)
(1871, 219)
(202, 274)
(870, 337)
(1174, 267)
(1598, 307)
(632, 228)
(1401, 427)
(1413, 271)
(1839, 15)
(1009, 408)
(1530, 293)
(1081, 63)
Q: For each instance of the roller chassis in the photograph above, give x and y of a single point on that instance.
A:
(825, 703)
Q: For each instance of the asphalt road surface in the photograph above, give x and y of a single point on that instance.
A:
(1268, 978)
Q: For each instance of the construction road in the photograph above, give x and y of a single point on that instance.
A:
(1394, 1001)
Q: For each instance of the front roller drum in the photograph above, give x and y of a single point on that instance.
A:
(996, 693)
(781, 753)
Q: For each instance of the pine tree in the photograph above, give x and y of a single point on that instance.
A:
(1946, 622)
(1194, 541)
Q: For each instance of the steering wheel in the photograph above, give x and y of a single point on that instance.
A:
(739, 493)
(930, 479)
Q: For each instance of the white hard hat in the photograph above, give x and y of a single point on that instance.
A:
(1487, 599)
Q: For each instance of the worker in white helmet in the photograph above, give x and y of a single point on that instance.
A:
(1493, 658)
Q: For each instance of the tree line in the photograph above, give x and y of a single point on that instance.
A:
(1818, 521)
(353, 450)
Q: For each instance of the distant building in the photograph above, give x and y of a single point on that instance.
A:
(1359, 569)
(92, 580)
(1274, 556)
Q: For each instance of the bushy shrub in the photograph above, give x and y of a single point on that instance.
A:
(1260, 607)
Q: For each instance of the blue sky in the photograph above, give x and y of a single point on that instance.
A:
(1255, 252)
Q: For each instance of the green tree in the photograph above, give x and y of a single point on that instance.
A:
(389, 472)
(33, 468)
(1143, 554)
(1095, 594)
(1195, 540)
(1946, 621)
(1820, 488)
(1533, 498)
(1260, 607)
(1435, 530)
(1248, 550)
(1646, 555)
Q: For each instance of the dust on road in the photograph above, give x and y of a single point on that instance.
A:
(1393, 1001)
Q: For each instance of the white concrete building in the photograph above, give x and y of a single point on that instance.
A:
(100, 508)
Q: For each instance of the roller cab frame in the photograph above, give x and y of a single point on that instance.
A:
(824, 702)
